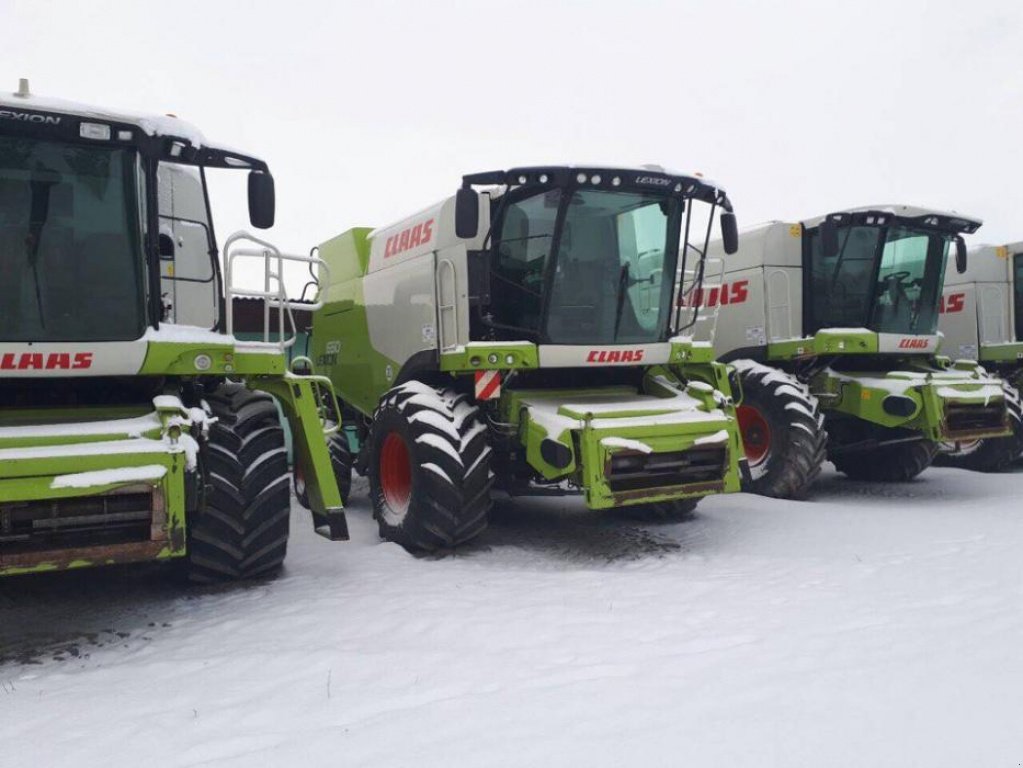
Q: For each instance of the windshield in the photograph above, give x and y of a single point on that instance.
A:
(70, 251)
(605, 283)
(887, 279)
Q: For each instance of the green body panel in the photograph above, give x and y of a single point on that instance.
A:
(31, 474)
(649, 417)
(932, 382)
(825, 342)
(932, 390)
(1001, 353)
(483, 356)
(138, 436)
(360, 374)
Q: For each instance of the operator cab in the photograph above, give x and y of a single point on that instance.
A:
(880, 268)
(583, 255)
(105, 224)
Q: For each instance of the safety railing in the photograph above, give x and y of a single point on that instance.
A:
(242, 245)
(699, 298)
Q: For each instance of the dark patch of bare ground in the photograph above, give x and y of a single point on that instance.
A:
(563, 530)
(65, 616)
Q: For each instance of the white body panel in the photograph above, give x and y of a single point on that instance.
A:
(401, 307)
(418, 279)
(121, 358)
(187, 282)
(761, 297)
(582, 355)
(977, 307)
(899, 342)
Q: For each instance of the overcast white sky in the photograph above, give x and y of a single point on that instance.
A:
(369, 111)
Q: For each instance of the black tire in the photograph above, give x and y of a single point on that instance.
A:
(429, 468)
(341, 460)
(896, 463)
(659, 512)
(241, 528)
(782, 430)
(994, 454)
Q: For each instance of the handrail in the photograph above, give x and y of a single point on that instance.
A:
(323, 385)
(274, 293)
(442, 308)
(695, 300)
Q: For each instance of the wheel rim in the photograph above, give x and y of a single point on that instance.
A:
(395, 477)
(756, 436)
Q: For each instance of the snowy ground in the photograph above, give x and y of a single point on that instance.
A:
(875, 626)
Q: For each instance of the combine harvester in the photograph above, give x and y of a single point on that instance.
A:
(982, 319)
(517, 335)
(831, 324)
(133, 426)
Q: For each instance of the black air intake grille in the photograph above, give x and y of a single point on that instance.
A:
(637, 471)
(962, 418)
(118, 518)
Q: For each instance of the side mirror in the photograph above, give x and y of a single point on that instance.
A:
(165, 244)
(467, 214)
(960, 254)
(829, 238)
(262, 200)
(729, 232)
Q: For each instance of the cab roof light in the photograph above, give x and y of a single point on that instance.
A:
(95, 131)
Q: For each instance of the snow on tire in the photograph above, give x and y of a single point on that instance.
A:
(782, 431)
(241, 528)
(429, 468)
(993, 454)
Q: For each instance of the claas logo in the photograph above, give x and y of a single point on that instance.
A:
(615, 356)
(910, 343)
(408, 239)
(38, 361)
(727, 293)
(954, 302)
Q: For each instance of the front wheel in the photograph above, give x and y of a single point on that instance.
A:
(782, 432)
(896, 463)
(241, 529)
(429, 468)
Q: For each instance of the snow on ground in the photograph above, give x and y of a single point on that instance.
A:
(875, 626)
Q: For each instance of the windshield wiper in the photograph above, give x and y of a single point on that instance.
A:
(39, 214)
(623, 281)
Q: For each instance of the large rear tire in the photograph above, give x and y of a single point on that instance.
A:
(782, 431)
(241, 528)
(429, 468)
(896, 463)
(994, 454)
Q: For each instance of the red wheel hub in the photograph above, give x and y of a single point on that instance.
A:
(756, 434)
(395, 472)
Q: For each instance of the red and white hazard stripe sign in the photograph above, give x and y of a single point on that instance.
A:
(488, 385)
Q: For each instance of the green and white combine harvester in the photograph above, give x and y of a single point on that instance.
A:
(982, 319)
(517, 336)
(832, 326)
(133, 425)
